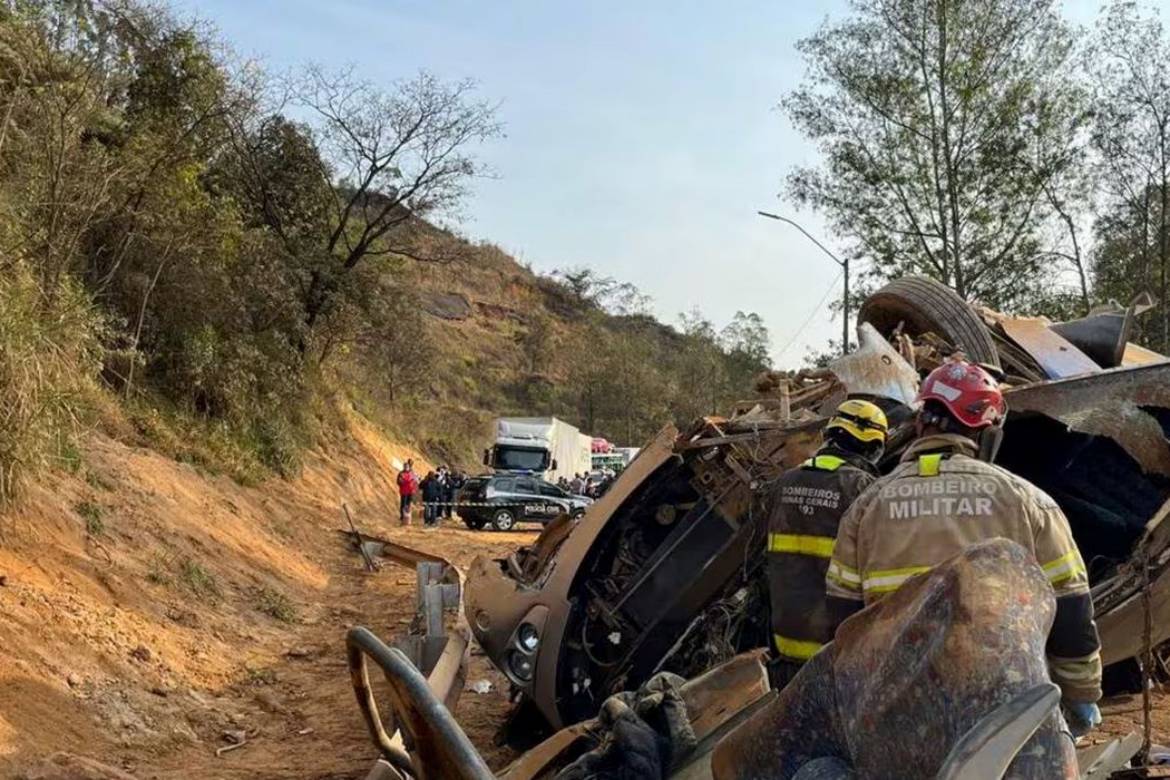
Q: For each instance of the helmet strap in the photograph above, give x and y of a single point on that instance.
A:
(990, 439)
(929, 418)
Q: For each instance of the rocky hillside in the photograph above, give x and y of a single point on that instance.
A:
(504, 340)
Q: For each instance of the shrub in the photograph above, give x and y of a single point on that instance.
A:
(92, 514)
(276, 605)
(48, 358)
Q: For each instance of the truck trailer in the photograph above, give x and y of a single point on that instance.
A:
(545, 447)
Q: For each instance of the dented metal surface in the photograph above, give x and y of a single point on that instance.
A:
(905, 680)
(876, 369)
(715, 702)
(497, 603)
(1118, 404)
(1055, 354)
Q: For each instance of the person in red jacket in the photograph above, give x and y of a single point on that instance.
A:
(407, 487)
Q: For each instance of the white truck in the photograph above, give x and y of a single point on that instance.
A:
(543, 446)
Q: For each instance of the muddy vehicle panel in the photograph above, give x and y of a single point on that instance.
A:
(593, 632)
(662, 573)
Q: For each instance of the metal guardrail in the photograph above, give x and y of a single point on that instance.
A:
(432, 652)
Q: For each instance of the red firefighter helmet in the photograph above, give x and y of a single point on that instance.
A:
(969, 393)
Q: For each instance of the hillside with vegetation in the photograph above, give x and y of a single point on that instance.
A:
(228, 260)
(498, 339)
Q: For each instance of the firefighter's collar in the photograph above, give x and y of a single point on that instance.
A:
(951, 443)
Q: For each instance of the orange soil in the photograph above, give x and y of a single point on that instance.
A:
(113, 647)
(138, 642)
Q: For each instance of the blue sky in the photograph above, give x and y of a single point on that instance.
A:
(641, 137)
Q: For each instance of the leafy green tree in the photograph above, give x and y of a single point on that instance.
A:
(701, 368)
(538, 341)
(1131, 76)
(746, 343)
(944, 125)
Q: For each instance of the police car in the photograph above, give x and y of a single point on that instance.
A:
(503, 500)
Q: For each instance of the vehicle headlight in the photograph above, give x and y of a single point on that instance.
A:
(527, 638)
(520, 665)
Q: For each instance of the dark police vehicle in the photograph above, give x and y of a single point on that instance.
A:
(502, 500)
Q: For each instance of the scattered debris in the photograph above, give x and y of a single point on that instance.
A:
(237, 739)
(480, 686)
(235, 736)
(367, 558)
(141, 653)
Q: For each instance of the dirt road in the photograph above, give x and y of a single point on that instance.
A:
(147, 608)
(301, 708)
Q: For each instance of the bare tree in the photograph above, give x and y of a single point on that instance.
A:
(391, 157)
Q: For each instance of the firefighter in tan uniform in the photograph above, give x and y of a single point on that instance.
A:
(805, 506)
(942, 498)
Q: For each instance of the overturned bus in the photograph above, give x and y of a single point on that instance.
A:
(663, 572)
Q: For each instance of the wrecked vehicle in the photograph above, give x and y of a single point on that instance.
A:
(945, 679)
(662, 573)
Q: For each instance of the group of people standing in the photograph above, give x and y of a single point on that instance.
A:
(437, 490)
(586, 485)
(840, 537)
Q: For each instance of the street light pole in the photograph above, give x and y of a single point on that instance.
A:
(844, 267)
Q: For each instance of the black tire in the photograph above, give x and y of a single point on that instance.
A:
(924, 304)
(504, 520)
(577, 513)
(474, 524)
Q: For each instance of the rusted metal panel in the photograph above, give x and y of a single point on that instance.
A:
(714, 697)
(1113, 404)
(1137, 355)
(495, 603)
(543, 759)
(1055, 354)
(905, 679)
(712, 700)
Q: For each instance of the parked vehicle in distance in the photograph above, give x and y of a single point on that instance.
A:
(545, 447)
(614, 459)
(503, 500)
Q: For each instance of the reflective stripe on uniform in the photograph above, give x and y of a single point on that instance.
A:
(796, 648)
(801, 544)
(1078, 669)
(823, 463)
(928, 465)
(1064, 568)
(890, 579)
(843, 575)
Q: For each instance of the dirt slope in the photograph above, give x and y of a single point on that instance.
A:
(147, 608)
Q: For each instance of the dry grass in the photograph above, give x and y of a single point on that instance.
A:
(48, 361)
